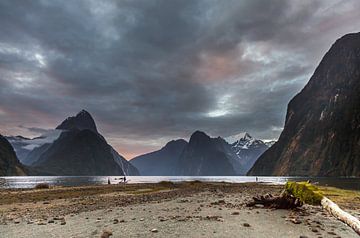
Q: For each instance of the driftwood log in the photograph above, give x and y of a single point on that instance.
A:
(310, 194)
(340, 214)
(296, 194)
(284, 201)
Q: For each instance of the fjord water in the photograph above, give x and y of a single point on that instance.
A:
(31, 181)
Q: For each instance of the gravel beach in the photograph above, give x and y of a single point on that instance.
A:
(190, 209)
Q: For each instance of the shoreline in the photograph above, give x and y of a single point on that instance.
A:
(192, 209)
(349, 183)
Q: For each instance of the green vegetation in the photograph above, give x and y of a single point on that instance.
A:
(305, 191)
(345, 198)
(311, 194)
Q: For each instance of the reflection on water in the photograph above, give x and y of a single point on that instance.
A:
(31, 181)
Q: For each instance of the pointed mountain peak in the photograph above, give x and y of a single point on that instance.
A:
(83, 120)
(243, 136)
(246, 136)
(83, 112)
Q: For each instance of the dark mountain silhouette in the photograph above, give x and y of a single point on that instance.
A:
(205, 156)
(162, 162)
(9, 164)
(321, 136)
(241, 155)
(80, 150)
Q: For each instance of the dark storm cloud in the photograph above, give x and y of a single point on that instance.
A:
(150, 71)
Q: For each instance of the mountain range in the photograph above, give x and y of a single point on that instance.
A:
(201, 156)
(321, 136)
(75, 147)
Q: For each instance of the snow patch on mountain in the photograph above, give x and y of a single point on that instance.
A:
(247, 148)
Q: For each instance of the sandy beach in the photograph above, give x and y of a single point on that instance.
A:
(191, 209)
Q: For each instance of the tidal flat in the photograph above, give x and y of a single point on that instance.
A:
(165, 209)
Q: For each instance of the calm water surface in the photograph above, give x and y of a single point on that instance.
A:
(31, 181)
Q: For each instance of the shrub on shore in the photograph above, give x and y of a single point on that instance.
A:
(305, 191)
(42, 186)
(195, 182)
(166, 183)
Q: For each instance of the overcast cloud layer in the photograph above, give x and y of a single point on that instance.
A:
(150, 71)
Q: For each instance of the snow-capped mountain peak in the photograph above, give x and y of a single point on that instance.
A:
(246, 136)
(269, 143)
(247, 148)
(237, 137)
(246, 141)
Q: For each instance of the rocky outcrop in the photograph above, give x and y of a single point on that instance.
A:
(321, 136)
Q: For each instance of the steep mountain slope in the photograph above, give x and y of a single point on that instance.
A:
(321, 136)
(205, 156)
(24, 146)
(35, 154)
(162, 162)
(19, 143)
(249, 149)
(80, 150)
(125, 165)
(9, 164)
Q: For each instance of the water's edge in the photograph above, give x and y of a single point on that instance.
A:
(31, 181)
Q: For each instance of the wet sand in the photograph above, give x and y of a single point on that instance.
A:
(163, 210)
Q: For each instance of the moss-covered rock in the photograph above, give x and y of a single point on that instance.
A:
(305, 191)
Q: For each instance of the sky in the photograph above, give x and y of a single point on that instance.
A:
(150, 71)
